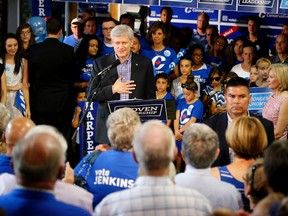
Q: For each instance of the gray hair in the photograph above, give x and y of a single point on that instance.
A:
(154, 145)
(199, 145)
(122, 30)
(122, 125)
(5, 117)
(37, 157)
(52, 131)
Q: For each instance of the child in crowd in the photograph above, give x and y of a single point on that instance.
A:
(163, 83)
(253, 75)
(81, 96)
(189, 110)
(185, 68)
(262, 66)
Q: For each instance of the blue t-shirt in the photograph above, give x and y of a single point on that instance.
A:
(70, 40)
(202, 76)
(87, 70)
(160, 60)
(106, 50)
(112, 171)
(5, 165)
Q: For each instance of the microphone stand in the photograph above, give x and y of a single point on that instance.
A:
(90, 100)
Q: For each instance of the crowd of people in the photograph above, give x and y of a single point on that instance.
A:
(214, 158)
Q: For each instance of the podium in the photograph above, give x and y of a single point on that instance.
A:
(147, 109)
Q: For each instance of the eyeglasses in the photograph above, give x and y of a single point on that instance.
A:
(25, 32)
(215, 78)
(188, 87)
(106, 29)
(219, 44)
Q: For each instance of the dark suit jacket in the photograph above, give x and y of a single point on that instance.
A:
(219, 124)
(52, 73)
(141, 73)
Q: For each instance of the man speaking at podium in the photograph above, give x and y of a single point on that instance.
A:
(122, 75)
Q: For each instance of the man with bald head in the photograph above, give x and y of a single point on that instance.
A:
(38, 163)
(281, 46)
(15, 131)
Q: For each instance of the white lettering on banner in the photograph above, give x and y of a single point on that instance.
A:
(103, 178)
(262, 2)
(90, 145)
(41, 8)
(90, 131)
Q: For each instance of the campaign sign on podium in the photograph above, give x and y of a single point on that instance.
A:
(147, 109)
(87, 128)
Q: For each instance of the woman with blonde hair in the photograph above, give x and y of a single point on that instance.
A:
(276, 107)
(247, 139)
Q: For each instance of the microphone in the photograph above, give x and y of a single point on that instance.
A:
(104, 71)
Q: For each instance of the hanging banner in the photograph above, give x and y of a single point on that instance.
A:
(219, 4)
(41, 8)
(268, 6)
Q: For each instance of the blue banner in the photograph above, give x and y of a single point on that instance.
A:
(41, 8)
(87, 128)
(268, 6)
(218, 4)
(260, 96)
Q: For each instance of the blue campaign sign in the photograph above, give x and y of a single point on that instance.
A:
(179, 3)
(41, 8)
(268, 6)
(260, 96)
(283, 7)
(142, 2)
(218, 4)
(87, 128)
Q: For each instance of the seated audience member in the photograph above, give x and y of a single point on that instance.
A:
(237, 97)
(14, 132)
(64, 192)
(77, 32)
(38, 162)
(281, 46)
(255, 184)
(243, 69)
(246, 138)
(276, 107)
(154, 193)
(5, 117)
(113, 170)
(262, 66)
(199, 150)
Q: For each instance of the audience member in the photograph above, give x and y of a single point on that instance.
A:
(200, 70)
(254, 35)
(213, 95)
(268, 206)
(154, 193)
(199, 34)
(161, 55)
(52, 73)
(14, 132)
(16, 71)
(285, 28)
(281, 46)
(113, 170)
(166, 14)
(276, 107)
(217, 55)
(211, 33)
(3, 85)
(242, 69)
(236, 57)
(107, 26)
(133, 78)
(5, 117)
(88, 50)
(89, 12)
(255, 184)
(246, 138)
(38, 162)
(262, 66)
(77, 32)
(237, 97)
(253, 76)
(199, 150)
(136, 46)
(67, 193)
(26, 38)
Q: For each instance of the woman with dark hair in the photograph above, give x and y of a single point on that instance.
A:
(26, 38)
(88, 50)
(16, 71)
(161, 55)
